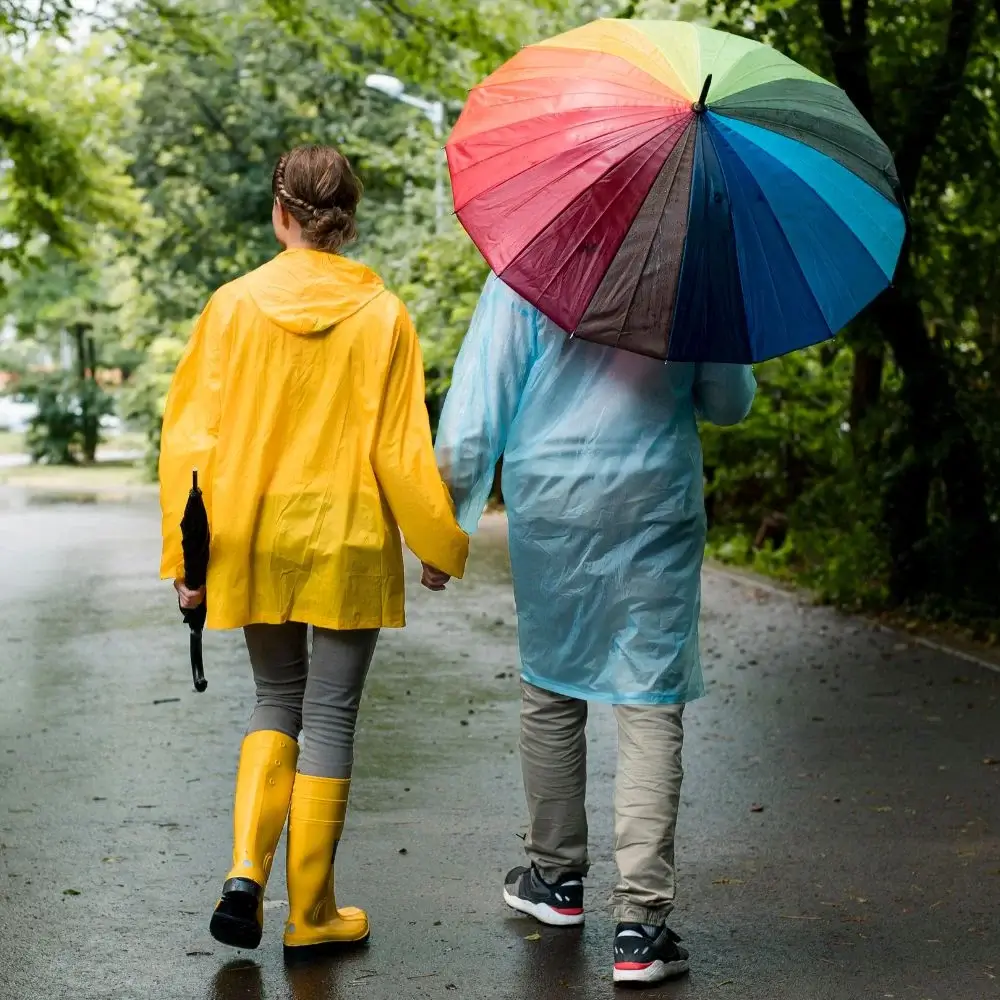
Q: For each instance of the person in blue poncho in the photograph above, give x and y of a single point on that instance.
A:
(603, 484)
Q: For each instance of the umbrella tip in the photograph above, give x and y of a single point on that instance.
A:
(700, 106)
(194, 479)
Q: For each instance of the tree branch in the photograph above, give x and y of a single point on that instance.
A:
(849, 51)
(939, 96)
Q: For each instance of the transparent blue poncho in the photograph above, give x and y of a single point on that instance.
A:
(603, 483)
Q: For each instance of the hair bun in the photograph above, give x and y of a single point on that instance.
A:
(330, 229)
(316, 185)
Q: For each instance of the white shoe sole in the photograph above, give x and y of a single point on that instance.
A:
(542, 912)
(655, 973)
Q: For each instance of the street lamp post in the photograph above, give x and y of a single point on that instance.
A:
(433, 111)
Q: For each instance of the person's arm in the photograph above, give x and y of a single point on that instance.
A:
(190, 431)
(486, 386)
(723, 394)
(403, 459)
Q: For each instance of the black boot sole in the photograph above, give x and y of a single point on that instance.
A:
(234, 921)
(309, 952)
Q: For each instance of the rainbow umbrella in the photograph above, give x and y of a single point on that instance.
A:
(677, 191)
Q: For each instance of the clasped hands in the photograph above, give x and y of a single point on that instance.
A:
(433, 579)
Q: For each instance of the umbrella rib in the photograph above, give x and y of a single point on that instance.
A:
(639, 113)
(837, 215)
(802, 131)
(600, 217)
(634, 67)
(686, 138)
(614, 115)
(565, 173)
(791, 250)
(558, 74)
(647, 49)
(730, 80)
(732, 226)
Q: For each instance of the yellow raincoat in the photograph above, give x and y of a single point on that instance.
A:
(300, 401)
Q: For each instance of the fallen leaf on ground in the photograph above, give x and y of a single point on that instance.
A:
(727, 881)
(533, 937)
(71, 892)
(755, 808)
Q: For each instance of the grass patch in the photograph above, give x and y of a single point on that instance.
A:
(126, 441)
(78, 478)
(11, 443)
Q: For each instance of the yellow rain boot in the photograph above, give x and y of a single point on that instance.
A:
(315, 824)
(263, 791)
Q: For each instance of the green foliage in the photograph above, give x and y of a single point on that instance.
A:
(144, 400)
(18, 17)
(62, 114)
(66, 428)
(795, 460)
(918, 487)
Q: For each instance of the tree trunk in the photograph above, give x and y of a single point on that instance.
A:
(92, 423)
(940, 444)
(79, 333)
(85, 364)
(866, 383)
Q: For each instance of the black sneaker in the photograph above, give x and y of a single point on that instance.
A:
(645, 957)
(558, 904)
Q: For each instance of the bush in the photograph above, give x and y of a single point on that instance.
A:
(145, 399)
(779, 484)
(66, 429)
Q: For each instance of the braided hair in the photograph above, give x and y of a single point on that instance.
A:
(316, 186)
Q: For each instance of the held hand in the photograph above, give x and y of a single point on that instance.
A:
(189, 599)
(434, 579)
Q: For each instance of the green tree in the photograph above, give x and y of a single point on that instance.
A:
(924, 75)
(60, 111)
(65, 275)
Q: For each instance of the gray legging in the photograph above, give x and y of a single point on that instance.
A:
(317, 695)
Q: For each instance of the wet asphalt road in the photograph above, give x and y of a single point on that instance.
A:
(872, 869)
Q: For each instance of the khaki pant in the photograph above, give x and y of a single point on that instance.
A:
(647, 795)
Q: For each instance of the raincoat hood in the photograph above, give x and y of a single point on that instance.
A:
(308, 292)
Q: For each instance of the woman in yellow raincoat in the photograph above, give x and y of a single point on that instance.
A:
(300, 401)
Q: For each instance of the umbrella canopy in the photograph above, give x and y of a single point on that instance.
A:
(195, 542)
(677, 191)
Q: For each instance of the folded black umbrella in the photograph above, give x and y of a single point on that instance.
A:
(195, 541)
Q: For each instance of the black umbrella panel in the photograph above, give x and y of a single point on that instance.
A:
(195, 540)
